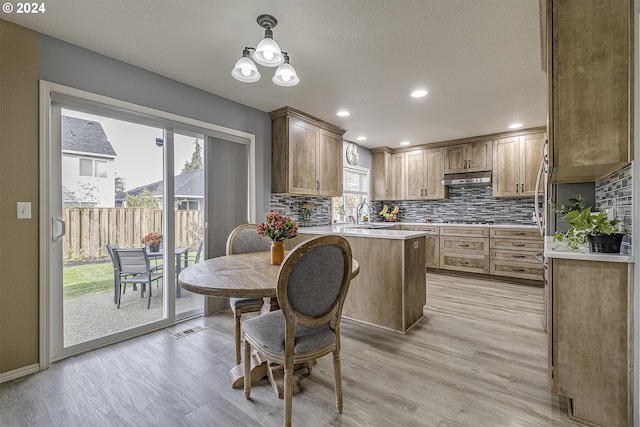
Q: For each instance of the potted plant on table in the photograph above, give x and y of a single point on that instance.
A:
(601, 233)
(278, 228)
(152, 240)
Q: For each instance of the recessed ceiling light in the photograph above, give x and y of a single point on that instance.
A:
(405, 143)
(419, 93)
(343, 113)
(361, 138)
(515, 125)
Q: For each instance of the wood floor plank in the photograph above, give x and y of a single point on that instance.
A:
(477, 359)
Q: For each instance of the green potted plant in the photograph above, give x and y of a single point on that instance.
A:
(601, 233)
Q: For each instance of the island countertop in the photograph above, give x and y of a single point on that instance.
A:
(378, 231)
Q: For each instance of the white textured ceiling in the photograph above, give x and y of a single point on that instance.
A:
(479, 59)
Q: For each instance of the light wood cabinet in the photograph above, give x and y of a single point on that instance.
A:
(381, 174)
(590, 339)
(515, 252)
(516, 161)
(432, 248)
(397, 187)
(424, 172)
(461, 251)
(591, 88)
(306, 154)
(469, 157)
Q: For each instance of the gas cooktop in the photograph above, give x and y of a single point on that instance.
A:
(467, 221)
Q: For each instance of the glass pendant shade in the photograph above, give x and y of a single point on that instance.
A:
(268, 52)
(285, 74)
(245, 70)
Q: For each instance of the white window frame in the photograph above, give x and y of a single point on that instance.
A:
(362, 194)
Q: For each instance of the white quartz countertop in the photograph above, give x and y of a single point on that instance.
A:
(559, 250)
(448, 224)
(377, 232)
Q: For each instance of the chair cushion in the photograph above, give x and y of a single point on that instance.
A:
(268, 330)
(245, 302)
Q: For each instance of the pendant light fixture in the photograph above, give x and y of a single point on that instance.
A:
(267, 54)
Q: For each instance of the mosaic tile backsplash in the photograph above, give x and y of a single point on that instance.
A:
(290, 206)
(615, 191)
(472, 203)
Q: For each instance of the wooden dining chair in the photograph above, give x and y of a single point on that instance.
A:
(244, 239)
(312, 285)
(134, 267)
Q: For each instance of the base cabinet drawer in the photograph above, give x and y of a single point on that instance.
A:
(520, 270)
(467, 263)
(517, 244)
(515, 256)
(465, 245)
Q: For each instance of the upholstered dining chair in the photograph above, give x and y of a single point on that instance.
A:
(244, 239)
(312, 285)
(134, 267)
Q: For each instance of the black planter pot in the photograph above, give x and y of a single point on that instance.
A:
(605, 243)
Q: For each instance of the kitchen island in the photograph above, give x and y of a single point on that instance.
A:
(390, 291)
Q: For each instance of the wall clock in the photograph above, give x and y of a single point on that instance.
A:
(352, 154)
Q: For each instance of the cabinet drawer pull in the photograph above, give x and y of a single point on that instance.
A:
(463, 262)
(518, 244)
(517, 187)
(521, 270)
(518, 233)
(464, 246)
(518, 256)
(522, 184)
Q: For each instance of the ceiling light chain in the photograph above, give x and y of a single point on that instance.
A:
(267, 54)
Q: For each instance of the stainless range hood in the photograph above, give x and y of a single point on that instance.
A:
(468, 178)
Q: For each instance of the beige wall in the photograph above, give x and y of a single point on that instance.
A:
(19, 73)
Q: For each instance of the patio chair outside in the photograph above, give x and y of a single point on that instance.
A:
(134, 267)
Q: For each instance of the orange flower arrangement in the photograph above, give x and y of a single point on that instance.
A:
(152, 239)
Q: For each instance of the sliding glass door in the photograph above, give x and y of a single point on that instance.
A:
(111, 194)
(127, 181)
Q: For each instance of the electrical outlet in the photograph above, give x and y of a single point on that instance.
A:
(24, 210)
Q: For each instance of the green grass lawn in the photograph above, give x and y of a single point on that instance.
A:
(86, 279)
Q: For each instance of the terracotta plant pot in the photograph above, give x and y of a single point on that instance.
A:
(277, 253)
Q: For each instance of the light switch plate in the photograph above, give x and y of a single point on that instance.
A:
(24, 210)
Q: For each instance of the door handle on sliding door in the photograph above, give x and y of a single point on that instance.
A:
(58, 223)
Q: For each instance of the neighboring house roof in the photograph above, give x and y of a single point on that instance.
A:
(187, 184)
(85, 136)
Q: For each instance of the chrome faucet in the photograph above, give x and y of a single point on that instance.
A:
(359, 211)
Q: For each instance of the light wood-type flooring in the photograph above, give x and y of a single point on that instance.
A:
(478, 359)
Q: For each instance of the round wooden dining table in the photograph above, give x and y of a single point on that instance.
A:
(249, 275)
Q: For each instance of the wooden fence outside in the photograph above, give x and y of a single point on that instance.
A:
(89, 230)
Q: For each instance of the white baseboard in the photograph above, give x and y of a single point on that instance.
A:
(17, 373)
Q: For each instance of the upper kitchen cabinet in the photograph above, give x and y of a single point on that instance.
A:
(387, 174)
(381, 174)
(590, 54)
(306, 154)
(469, 157)
(424, 170)
(516, 161)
